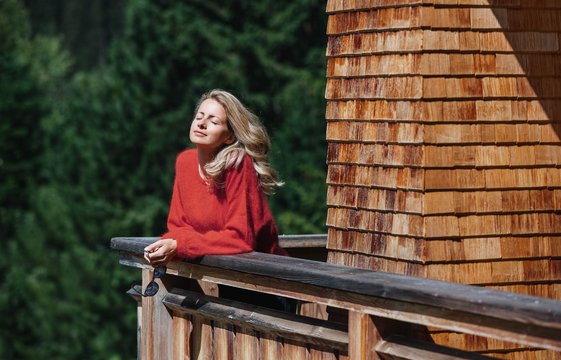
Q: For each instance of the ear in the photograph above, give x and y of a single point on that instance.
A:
(230, 140)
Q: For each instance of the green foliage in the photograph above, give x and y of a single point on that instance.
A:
(21, 109)
(86, 27)
(87, 152)
(58, 289)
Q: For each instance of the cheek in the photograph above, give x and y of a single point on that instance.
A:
(225, 135)
(190, 131)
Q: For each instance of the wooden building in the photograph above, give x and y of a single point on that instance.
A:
(444, 152)
(444, 163)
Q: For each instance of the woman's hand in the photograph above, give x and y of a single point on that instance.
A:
(160, 252)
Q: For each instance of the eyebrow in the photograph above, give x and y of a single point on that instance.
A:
(210, 115)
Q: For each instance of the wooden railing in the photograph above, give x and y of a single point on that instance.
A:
(373, 314)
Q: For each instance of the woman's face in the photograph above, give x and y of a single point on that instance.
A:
(209, 129)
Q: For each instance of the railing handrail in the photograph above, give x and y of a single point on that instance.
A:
(533, 320)
(285, 241)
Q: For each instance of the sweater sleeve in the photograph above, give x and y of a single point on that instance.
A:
(238, 234)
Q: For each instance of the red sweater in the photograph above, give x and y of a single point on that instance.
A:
(231, 220)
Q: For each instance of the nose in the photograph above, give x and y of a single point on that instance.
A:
(201, 123)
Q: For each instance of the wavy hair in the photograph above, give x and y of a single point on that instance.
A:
(251, 138)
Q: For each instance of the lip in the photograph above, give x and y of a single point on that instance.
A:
(199, 133)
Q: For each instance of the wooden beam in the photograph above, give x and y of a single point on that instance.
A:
(406, 348)
(271, 322)
(285, 241)
(512, 317)
(303, 241)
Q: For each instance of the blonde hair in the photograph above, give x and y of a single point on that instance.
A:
(251, 138)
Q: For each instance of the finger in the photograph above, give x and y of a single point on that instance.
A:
(150, 248)
(160, 258)
(156, 256)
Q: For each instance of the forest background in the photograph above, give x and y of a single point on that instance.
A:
(95, 101)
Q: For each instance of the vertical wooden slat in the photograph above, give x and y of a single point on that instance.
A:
(246, 345)
(223, 345)
(271, 347)
(316, 354)
(295, 351)
(157, 323)
(317, 311)
(139, 329)
(202, 342)
(182, 329)
(363, 337)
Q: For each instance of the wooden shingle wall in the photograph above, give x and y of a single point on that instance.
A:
(444, 151)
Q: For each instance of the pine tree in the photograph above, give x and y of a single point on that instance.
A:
(90, 152)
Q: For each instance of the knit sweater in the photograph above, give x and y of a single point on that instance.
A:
(233, 219)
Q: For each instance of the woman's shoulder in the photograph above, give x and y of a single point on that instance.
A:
(247, 161)
(187, 155)
(242, 167)
(246, 164)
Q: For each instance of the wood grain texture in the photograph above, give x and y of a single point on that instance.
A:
(251, 267)
(495, 314)
(246, 345)
(406, 348)
(223, 346)
(261, 320)
(271, 347)
(292, 350)
(201, 338)
(157, 324)
(443, 130)
(366, 337)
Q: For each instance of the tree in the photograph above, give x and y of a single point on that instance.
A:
(104, 142)
(49, 274)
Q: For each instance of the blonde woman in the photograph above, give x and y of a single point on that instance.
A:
(218, 204)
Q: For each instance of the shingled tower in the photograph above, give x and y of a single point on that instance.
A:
(444, 151)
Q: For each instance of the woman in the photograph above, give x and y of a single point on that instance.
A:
(218, 204)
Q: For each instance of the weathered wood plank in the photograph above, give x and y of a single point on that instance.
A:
(303, 241)
(363, 337)
(452, 296)
(316, 354)
(157, 323)
(134, 293)
(296, 351)
(414, 313)
(201, 338)
(223, 347)
(246, 345)
(406, 348)
(137, 244)
(271, 347)
(182, 330)
(513, 317)
(271, 322)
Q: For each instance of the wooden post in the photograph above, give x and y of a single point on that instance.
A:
(134, 293)
(363, 337)
(139, 330)
(157, 323)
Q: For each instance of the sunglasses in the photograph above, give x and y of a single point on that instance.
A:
(152, 287)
